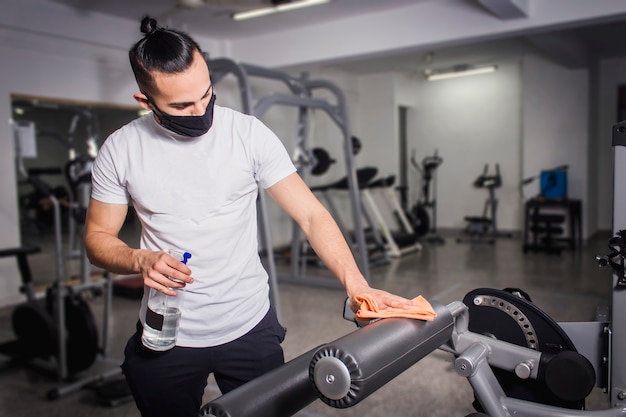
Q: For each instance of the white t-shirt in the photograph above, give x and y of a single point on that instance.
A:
(199, 195)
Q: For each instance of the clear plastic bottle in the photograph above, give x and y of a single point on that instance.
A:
(163, 314)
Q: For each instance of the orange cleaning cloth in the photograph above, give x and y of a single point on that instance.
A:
(368, 309)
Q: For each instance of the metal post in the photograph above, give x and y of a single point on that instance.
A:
(617, 360)
(59, 312)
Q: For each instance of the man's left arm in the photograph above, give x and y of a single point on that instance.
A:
(295, 197)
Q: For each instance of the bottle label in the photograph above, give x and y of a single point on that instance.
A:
(154, 319)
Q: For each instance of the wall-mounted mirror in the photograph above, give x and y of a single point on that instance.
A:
(51, 136)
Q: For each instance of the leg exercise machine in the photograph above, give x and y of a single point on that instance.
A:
(484, 229)
(424, 213)
(518, 361)
(529, 367)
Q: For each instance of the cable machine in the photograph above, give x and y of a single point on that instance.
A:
(301, 97)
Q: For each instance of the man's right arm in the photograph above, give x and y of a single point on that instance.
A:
(106, 250)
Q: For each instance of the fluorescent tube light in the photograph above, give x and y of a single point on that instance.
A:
(462, 73)
(250, 14)
(298, 4)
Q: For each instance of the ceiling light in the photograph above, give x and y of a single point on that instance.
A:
(459, 72)
(190, 4)
(282, 7)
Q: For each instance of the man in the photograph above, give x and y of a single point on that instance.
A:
(192, 171)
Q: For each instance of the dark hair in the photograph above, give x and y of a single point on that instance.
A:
(161, 49)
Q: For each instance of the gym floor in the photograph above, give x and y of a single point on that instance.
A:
(568, 287)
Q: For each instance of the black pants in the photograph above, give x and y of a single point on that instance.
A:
(172, 383)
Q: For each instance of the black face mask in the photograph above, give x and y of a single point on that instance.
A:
(191, 126)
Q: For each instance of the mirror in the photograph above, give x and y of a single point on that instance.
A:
(50, 133)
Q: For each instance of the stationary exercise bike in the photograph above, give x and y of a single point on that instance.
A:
(484, 228)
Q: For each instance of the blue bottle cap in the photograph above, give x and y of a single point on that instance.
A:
(186, 257)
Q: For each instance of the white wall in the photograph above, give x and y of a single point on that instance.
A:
(375, 123)
(556, 125)
(471, 121)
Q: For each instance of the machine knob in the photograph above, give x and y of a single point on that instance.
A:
(524, 369)
(332, 378)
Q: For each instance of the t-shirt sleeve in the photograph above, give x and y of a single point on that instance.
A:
(105, 178)
(272, 162)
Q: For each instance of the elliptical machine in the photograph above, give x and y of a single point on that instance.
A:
(423, 214)
(60, 328)
(57, 332)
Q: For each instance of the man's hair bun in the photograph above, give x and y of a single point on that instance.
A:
(148, 25)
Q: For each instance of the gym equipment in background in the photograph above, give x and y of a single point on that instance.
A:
(302, 95)
(78, 177)
(36, 211)
(300, 252)
(58, 332)
(545, 220)
(47, 139)
(544, 230)
(424, 213)
(382, 206)
(377, 253)
(484, 229)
